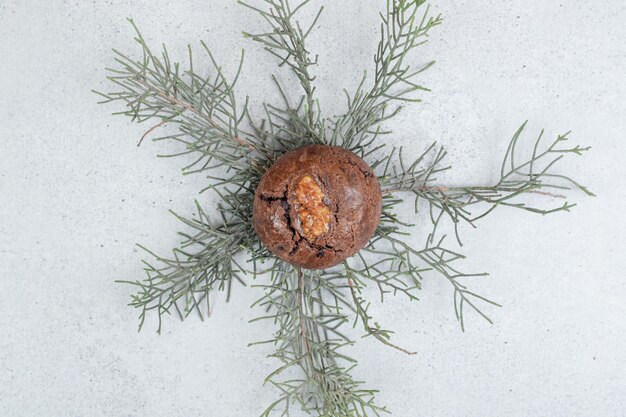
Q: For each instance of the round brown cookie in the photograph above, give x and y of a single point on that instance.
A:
(316, 206)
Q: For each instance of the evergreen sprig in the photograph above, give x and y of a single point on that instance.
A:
(312, 309)
(286, 40)
(533, 173)
(204, 262)
(404, 27)
(308, 308)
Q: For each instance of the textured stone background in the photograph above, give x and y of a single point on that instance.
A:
(76, 194)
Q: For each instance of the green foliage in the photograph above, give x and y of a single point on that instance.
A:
(404, 27)
(204, 262)
(286, 40)
(311, 309)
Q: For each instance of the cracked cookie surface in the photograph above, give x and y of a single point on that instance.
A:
(316, 206)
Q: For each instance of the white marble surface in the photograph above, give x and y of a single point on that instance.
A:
(76, 194)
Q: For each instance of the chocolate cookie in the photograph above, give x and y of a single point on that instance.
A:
(317, 206)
